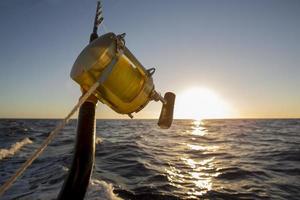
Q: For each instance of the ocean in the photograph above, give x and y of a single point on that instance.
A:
(208, 159)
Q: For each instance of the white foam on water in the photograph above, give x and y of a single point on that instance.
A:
(100, 190)
(5, 153)
(98, 140)
(65, 169)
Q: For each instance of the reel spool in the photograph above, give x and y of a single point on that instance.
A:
(125, 85)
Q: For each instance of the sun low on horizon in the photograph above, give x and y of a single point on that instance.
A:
(202, 103)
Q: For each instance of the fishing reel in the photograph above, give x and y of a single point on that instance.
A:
(125, 85)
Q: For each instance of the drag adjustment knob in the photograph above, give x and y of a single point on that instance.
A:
(166, 114)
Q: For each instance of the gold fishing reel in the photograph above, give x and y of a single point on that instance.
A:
(125, 85)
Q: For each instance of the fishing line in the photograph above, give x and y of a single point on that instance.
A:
(105, 28)
(50, 137)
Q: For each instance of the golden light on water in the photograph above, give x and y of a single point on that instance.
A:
(201, 103)
(198, 129)
(195, 175)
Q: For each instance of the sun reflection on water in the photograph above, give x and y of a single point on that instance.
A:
(198, 128)
(194, 175)
(206, 149)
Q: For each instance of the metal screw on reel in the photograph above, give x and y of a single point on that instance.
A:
(151, 71)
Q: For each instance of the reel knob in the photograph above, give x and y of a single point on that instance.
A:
(166, 114)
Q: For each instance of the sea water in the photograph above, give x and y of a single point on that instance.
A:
(208, 159)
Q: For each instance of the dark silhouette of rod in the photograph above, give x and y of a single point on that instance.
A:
(76, 184)
(77, 181)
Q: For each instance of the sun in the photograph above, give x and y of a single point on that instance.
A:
(201, 103)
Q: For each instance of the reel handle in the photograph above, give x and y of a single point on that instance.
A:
(166, 114)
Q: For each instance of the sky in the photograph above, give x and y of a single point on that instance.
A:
(246, 52)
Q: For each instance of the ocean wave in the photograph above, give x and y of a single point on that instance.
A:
(98, 140)
(5, 153)
(234, 159)
(100, 190)
(234, 173)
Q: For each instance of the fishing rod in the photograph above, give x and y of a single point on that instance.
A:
(78, 178)
(124, 85)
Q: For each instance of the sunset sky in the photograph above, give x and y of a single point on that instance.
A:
(236, 59)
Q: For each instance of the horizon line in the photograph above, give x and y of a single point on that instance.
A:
(229, 118)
